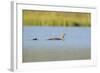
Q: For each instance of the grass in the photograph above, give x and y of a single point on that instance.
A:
(38, 55)
(54, 18)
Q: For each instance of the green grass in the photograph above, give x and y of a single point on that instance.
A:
(53, 18)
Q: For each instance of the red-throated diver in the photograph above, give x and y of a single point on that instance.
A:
(58, 38)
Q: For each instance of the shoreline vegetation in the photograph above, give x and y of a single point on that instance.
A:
(56, 18)
(35, 55)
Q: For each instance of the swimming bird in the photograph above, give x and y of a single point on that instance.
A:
(34, 39)
(58, 38)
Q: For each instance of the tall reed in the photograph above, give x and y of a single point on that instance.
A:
(55, 18)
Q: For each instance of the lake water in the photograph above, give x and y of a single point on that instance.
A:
(75, 46)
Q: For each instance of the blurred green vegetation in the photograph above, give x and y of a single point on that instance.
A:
(55, 18)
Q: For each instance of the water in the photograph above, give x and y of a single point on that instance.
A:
(75, 46)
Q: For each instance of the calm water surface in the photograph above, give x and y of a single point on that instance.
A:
(75, 46)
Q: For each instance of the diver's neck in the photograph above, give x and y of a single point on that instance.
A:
(62, 37)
